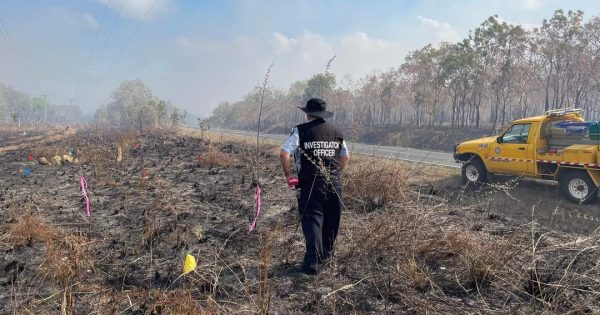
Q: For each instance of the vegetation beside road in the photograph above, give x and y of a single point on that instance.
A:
(501, 72)
(412, 239)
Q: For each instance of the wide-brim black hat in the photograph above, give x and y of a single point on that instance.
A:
(316, 107)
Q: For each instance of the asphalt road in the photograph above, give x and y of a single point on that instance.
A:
(396, 153)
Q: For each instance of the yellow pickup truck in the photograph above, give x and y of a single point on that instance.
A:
(558, 146)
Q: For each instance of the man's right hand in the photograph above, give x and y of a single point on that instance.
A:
(292, 182)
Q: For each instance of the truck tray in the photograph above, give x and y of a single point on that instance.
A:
(564, 142)
(595, 132)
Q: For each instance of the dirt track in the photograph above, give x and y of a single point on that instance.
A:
(416, 252)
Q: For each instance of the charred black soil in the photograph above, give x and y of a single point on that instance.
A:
(412, 241)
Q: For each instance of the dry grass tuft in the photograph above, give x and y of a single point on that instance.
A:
(267, 242)
(29, 228)
(373, 184)
(150, 228)
(149, 301)
(410, 270)
(47, 152)
(482, 255)
(67, 256)
(216, 158)
(176, 302)
(126, 140)
(93, 155)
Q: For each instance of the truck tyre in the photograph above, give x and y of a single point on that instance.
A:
(578, 187)
(474, 172)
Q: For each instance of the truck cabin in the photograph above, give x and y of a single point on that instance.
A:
(563, 136)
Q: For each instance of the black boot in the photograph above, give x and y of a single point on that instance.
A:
(310, 266)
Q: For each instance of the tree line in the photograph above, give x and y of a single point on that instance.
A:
(19, 108)
(500, 72)
(133, 106)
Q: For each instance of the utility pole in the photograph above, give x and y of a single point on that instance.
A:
(45, 96)
(70, 106)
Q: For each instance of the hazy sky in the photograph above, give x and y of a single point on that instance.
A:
(197, 53)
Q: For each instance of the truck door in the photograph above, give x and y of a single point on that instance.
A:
(509, 154)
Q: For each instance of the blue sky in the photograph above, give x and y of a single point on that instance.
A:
(197, 53)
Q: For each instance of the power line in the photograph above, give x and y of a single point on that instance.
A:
(87, 63)
(11, 43)
(12, 48)
(111, 65)
(14, 51)
(111, 29)
(5, 68)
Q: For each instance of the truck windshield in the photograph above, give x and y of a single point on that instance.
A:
(517, 134)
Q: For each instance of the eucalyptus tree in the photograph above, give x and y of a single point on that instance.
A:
(558, 44)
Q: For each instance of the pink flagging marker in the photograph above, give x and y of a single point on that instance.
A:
(257, 198)
(83, 184)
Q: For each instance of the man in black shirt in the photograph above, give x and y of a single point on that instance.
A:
(320, 155)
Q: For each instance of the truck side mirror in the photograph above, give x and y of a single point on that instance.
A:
(499, 139)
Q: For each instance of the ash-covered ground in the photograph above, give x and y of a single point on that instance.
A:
(412, 239)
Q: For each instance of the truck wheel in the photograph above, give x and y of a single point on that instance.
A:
(578, 187)
(474, 172)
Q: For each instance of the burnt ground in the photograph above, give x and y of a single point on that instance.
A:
(412, 240)
(524, 199)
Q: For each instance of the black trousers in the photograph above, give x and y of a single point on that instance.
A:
(320, 211)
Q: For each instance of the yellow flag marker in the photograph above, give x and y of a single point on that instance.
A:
(190, 264)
